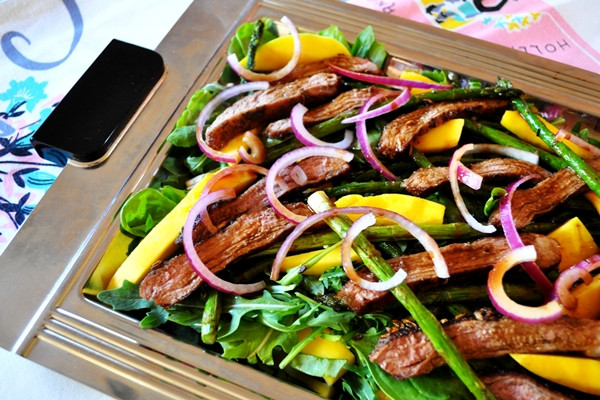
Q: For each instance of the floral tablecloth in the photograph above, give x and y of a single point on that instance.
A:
(45, 46)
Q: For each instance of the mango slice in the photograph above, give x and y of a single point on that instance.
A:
(576, 242)
(418, 210)
(275, 54)
(578, 373)
(330, 260)
(321, 347)
(109, 263)
(416, 76)
(514, 122)
(440, 138)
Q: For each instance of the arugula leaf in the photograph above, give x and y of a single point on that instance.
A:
(125, 298)
(367, 46)
(359, 384)
(155, 317)
(318, 366)
(197, 103)
(254, 341)
(334, 31)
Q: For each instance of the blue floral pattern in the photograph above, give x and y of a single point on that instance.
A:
(24, 175)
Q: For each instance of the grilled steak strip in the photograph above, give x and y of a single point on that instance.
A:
(346, 101)
(546, 195)
(317, 169)
(259, 108)
(350, 63)
(398, 134)
(514, 386)
(462, 259)
(426, 180)
(175, 279)
(405, 353)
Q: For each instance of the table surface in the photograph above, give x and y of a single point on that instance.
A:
(41, 61)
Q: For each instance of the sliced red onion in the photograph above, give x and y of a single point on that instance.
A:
(426, 241)
(307, 138)
(357, 227)
(563, 134)
(468, 177)
(581, 270)
(232, 169)
(387, 80)
(514, 240)
(504, 304)
(275, 75)
(363, 141)
(507, 151)
(453, 177)
(289, 159)
(201, 269)
(208, 110)
(257, 154)
(393, 105)
(298, 175)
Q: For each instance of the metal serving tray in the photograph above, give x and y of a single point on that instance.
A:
(46, 318)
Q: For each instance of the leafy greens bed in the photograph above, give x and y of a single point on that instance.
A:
(297, 328)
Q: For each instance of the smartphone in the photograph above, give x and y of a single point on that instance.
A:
(93, 116)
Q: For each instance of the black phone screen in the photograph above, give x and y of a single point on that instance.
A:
(90, 118)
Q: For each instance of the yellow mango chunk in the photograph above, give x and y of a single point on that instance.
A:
(323, 348)
(578, 373)
(594, 199)
(275, 54)
(514, 122)
(330, 260)
(416, 76)
(576, 242)
(158, 244)
(440, 138)
(418, 210)
(109, 263)
(588, 300)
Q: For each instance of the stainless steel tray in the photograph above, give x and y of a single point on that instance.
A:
(46, 318)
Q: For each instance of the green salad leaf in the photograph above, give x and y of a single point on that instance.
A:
(334, 31)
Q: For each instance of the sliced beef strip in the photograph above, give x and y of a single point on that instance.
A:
(426, 180)
(350, 63)
(317, 169)
(546, 195)
(515, 386)
(264, 106)
(407, 352)
(254, 231)
(351, 100)
(462, 259)
(398, 134)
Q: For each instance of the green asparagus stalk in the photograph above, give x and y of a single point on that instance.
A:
(254, 42)
(581, 168)
(457, 294)
(426, 320)
(505, 139)
(365, 187)
(211, 317)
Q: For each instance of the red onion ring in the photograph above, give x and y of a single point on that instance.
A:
(453, 177)
(257, 154)
(504, 304)
(468, 177)
(298, 175)
(391, 106)
(563, 134)
(201, 269)
(387, 80)
(507, 151)
(514, 240)
(357, 227)
(289, 159)
(307, 138)
(426, 241)
(276, 75)
(564, 282)
(208, 110)
(363, 141)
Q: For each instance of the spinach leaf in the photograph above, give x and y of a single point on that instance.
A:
(125, 298)
(366, 46)
(334, 31)
(142, 211)
(196, 104)
(318, 366)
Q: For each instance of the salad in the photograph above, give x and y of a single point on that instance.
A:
(422, 235)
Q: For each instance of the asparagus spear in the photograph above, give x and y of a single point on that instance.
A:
(426, 320)
(211, 317)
